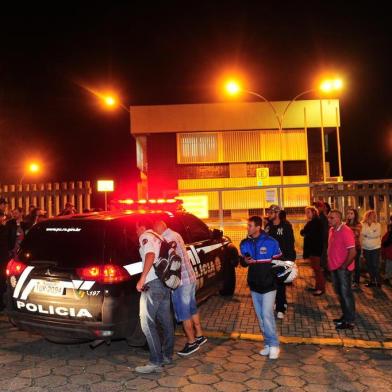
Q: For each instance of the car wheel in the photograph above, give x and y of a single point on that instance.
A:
(137, 338)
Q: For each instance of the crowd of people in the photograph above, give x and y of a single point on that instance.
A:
(335, 246)
(338, 248)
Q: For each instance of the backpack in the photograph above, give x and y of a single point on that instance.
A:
(168, 265)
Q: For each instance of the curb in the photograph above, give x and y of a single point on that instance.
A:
(341, 342)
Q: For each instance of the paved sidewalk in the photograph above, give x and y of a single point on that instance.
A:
(307, 316)
(30, 364)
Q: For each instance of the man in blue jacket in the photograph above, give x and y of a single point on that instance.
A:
(258, 251)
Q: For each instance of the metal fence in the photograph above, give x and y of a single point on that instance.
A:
(51, 197)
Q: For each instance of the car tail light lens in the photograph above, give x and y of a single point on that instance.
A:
(107, 273)
(15, 268)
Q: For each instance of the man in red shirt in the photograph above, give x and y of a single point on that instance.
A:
(341, 254)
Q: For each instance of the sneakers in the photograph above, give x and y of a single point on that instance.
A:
(265, 351)
(149, 368)
(189, 349)
(167, 361)
(339, 320)
(280, 315)
(274, 352)
(200, 340)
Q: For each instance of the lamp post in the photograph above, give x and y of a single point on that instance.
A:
(233, 88)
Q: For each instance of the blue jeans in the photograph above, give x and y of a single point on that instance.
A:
(372, 258)
(264, 308)
(342, 283)
(155, 306)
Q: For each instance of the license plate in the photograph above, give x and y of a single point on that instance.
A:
(43, 287)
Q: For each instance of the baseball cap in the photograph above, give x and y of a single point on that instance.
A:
(274, 208)
(3, 200)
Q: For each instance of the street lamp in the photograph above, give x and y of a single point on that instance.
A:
(31, 168)
(233, 88)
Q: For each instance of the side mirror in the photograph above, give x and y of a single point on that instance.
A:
(216, 234)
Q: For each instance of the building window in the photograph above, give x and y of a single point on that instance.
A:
(197, 147)
(241, 146)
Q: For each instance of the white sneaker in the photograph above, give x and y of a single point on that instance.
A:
(265, 351)
(280, 315)
(149, 368)
(274, 352)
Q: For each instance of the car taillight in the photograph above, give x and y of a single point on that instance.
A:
(15, 268)
(107, 273)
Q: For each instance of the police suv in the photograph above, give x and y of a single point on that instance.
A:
(75, 277)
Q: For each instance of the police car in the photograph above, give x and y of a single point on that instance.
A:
(75, 277)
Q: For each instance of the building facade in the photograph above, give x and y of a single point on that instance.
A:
(221, 145)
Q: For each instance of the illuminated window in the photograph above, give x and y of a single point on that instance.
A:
(197, 147)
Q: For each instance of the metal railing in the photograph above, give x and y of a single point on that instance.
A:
(51, 197)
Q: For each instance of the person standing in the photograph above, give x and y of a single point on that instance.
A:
(371, 245)
(184, 297)
(282, 231)
(352, 221)
(386, 243)
(323, 211)
(313, 248)
(16, 231)
(258, 250)
(154, 302)
(341, 254)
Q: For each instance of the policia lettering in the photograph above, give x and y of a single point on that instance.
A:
(59, 310)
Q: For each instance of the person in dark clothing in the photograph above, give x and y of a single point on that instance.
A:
(28, 220)
(3, 255)
(282, 231)
(16, 231)
(323, 211)
(313, 247)
(386, 250)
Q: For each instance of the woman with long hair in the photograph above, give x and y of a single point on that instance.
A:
(371, 245)
(313, 247)
(352, 221)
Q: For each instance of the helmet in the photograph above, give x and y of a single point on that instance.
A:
(286, 271)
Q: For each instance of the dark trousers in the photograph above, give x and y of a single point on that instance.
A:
(318, 273)
(357, 273)
(342, 283)
(281, 300)
(372, 258)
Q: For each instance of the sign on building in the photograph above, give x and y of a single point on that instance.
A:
(262, 175)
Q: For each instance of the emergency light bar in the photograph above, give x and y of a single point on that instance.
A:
(168, 204)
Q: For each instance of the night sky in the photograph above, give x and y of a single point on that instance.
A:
(173, 52)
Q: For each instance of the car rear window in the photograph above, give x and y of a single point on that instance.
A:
(68, 243)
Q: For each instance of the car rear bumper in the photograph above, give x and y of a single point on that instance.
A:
(65, 329)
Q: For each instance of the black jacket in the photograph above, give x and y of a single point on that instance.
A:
(313, 238)
(284, 234)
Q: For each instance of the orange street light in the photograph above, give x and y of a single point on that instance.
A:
(34, 167)
(232, 87)
(30, 168)
(110, 101)
(329, 85)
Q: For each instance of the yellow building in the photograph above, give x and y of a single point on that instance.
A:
(202, 147)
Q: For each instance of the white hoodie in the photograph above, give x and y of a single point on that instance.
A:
(371, 236)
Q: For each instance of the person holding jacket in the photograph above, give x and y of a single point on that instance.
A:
(371, 245)
(258, 250)
(282, 231)
(313, 248)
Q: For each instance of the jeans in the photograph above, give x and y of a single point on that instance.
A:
(342, 283)
(357, 273)
(281, 300)
(264, 308)
(372, 258)
(155, 306)
(318, 273)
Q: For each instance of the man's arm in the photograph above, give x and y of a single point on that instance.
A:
(349, 259)
(148, 262)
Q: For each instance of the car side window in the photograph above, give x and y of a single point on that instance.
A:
(195, 228)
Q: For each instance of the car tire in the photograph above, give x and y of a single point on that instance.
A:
(137, 338)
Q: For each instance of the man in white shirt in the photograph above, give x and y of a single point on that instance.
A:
(154, 303)
(184, 297)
